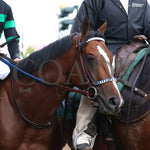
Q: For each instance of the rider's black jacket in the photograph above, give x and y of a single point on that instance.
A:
(7, 24)
(121, 27)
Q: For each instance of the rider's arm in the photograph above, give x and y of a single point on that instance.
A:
(10, 32)
(90, 8)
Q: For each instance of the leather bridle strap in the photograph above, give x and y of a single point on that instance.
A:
(40, 126)
(128, 84)
(42, 81)
(84, 69)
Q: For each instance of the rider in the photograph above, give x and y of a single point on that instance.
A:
(7, 25)
(125, 19)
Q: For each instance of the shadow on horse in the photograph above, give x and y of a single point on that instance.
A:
(129, 129)
(38, 84)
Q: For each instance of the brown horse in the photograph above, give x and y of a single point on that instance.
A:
(130, 130)
(39, 83)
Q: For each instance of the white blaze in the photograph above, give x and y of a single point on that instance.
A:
(104, 54)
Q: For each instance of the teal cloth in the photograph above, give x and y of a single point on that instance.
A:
(73, 101)
(125, 77)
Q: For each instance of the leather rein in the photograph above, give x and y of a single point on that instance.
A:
(91, 93)
(86, 74)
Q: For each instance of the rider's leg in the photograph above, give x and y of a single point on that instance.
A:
(4, 70)
(85, 131)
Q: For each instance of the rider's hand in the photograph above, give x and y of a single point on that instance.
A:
(17, 59)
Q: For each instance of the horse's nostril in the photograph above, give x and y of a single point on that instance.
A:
(113, 103)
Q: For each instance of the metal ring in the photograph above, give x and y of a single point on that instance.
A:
(92, 93)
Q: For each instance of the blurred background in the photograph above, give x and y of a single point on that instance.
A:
(40, 22)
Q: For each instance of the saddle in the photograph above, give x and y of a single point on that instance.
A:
(139, 106)
(127, 54)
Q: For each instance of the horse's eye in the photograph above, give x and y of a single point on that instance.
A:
(90, 59)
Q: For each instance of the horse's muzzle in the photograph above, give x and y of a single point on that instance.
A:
(108, 107)
(113, 104)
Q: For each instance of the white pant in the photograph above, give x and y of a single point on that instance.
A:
(85, 114)
(4, 70)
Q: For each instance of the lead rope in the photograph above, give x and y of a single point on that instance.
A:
(42, 81)
(131, 95)
(48, 124)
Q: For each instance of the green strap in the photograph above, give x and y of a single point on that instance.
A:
(125, 77)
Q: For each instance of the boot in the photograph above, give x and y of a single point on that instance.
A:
(89, 134)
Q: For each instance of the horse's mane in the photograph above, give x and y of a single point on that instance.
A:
(51, 51)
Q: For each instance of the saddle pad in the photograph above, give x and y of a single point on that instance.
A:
(125, 77)
(139, 106)
(70, 109)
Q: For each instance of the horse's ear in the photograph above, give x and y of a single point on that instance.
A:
(84, 27)
(103, 27)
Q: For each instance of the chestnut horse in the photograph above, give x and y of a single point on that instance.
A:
(130, 130)
(39, 83)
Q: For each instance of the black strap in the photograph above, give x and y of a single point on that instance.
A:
(109, 134)
(48, 124)
(128, 84)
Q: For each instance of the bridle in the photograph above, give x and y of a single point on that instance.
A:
(91, 92)
(91, 83)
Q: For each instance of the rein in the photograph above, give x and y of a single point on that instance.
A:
(48, 124)
(40, 126)
(91, 93)
(42, 81)
(79, 47)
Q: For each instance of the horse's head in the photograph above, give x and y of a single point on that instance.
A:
(97, 61)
